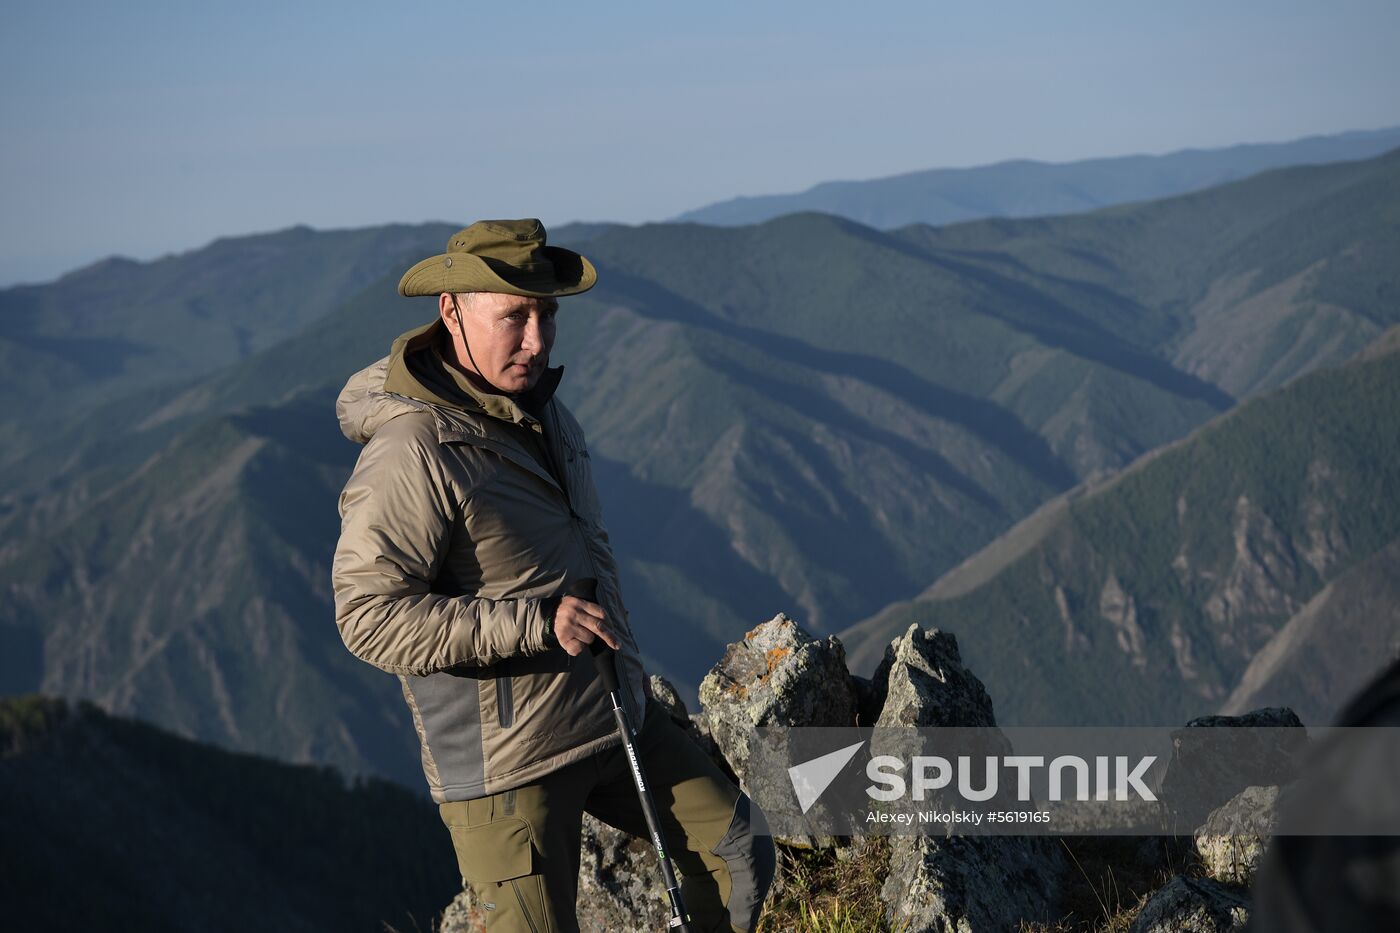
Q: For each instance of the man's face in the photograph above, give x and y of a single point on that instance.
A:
(507, 337)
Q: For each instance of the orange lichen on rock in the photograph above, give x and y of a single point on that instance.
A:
(775, 655)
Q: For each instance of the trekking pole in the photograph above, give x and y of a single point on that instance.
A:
(605, 659)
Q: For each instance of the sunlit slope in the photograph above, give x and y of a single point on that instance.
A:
(1146, 599)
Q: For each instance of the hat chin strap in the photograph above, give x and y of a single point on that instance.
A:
(462, 332)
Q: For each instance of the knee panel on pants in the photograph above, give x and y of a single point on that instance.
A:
(749, 855)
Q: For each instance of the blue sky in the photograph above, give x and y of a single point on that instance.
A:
(144, 128)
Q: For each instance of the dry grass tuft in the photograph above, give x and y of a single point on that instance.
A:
(823, 891)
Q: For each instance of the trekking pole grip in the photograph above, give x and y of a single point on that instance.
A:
(603, 661)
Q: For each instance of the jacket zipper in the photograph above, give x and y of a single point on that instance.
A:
(576, 523)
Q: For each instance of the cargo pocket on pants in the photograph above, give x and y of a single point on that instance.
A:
(493, 858)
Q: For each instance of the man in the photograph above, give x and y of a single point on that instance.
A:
(471, 536)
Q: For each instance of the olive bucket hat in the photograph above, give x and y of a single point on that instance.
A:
(501, 256)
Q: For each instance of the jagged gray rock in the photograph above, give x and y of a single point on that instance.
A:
(1216, 757)
(946, 882)
(922, 682)
(463, 915)
(668, 698)
(619, 881)
(970, 884)
(778, 675)
(1193, 905)
(1232, 840)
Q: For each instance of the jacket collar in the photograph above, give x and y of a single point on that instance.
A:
(418, 370)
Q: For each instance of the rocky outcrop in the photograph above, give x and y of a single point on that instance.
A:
(1193, 905)
(1119, 609)
(922, 682)
(1232, 840)
(619, 881)
(778, 675)
(1264, 572)
(463, 915)
(1216, 757)
(669, 698)
(970, 884)
(949, 882)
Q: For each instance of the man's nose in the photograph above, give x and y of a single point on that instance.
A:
(533, 338)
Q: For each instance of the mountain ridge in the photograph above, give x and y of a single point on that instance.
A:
(1030, 187)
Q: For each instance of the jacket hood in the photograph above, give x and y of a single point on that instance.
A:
(363, 406)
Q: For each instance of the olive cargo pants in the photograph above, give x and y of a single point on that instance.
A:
(519, 850)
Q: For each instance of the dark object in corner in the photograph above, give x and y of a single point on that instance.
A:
(1322, 884)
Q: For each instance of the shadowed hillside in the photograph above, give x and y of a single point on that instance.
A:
(113, 825)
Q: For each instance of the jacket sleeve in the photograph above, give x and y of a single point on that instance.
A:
(397, 516)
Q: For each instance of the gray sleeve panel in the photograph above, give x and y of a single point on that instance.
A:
(748, 853)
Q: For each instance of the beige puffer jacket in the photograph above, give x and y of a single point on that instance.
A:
(452, 536)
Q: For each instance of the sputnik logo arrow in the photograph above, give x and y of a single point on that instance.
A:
(811, 778)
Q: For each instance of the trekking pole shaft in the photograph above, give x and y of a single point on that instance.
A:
(680, 918)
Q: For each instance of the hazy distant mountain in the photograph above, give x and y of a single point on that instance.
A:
(1243, 286)
(1026, 188)
(119, 326)
(113, 825)
(807, 415)
(1253, 562)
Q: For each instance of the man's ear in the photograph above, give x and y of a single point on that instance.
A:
(445, 311)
